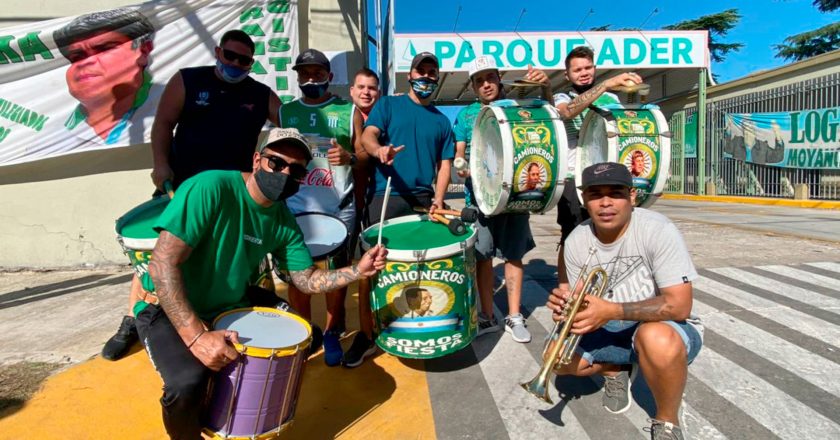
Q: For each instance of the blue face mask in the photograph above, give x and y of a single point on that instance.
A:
(423, 87)
(314, 90)
(231, 74)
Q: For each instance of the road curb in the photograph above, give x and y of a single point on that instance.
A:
(814, 204)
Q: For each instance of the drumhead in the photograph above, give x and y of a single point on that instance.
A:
(518, 157)
(262, 327)
(322, 233)
(402, 236)
(135, 228)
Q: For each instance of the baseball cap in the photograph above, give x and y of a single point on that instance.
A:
(312, 57)
(481, 64)
(291, 136)
(424, 56)
(606, 173)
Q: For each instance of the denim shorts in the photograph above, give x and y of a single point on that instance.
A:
(613, 343)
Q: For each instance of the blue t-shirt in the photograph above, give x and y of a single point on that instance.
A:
(427, 137)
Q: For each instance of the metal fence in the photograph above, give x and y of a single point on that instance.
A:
(737, 177)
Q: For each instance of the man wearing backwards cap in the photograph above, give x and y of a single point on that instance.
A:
(213, 234)
(644, 320)
(506, 236)
(410, 141)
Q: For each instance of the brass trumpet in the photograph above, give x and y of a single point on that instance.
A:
(565, 344)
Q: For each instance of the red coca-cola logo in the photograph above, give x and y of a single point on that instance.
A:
(319, 177)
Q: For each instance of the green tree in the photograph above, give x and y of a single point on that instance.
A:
(827, 5)
(807, 44)
(718, 26)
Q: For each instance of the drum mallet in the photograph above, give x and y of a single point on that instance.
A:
(467, 215)
(456, 226)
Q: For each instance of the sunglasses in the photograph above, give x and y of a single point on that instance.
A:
(297, 171)
(244, 60)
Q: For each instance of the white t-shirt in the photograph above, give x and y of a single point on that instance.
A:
(649, 256)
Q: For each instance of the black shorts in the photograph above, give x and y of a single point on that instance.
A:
(570, 212)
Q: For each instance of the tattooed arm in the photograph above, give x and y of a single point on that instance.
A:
(569, 110)
(313, 280)
(673, 304)
(210, 348)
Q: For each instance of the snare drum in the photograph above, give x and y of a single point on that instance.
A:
(256, 395)
(635, 135)
(424, 300)
(518, 157)
(136, 235)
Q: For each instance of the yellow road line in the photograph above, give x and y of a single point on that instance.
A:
(816, 204)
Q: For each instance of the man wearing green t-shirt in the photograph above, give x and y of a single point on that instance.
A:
(505, 236)
(327, 122)
(213, 235)
(573, 106)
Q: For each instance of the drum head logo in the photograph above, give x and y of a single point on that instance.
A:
(412, 300)
(524, 114)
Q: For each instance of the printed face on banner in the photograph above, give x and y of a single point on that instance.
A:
(106, 67)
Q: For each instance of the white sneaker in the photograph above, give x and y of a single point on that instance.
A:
(515, 325)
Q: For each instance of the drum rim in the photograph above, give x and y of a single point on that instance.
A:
(431, 253)
(138, 244)
(268, 352)
(338, 248)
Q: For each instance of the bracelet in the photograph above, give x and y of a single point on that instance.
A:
(196, 338)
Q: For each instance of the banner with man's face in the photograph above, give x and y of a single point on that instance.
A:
(93, 81)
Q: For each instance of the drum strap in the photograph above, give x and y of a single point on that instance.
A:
(346, 201)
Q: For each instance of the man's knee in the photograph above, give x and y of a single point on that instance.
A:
(659, 340)
(185, 391)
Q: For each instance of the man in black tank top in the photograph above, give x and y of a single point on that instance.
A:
(216, 113)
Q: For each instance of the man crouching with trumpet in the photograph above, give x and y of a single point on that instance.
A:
(643, 321)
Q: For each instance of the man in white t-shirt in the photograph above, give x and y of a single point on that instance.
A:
(573, 106)
(644, 320)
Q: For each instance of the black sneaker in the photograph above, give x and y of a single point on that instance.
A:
(118, 345)
(361, 348)
(317, 339)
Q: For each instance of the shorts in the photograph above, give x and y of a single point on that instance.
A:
(570, 212)
(613, 343)
(505, 236)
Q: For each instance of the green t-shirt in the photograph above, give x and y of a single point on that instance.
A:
(229, 234)
(464, 123)
(325, 186)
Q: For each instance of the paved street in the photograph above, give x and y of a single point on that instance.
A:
(768, 293)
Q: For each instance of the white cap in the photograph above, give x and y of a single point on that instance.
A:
(481, 64)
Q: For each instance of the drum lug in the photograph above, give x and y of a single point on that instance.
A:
(506, 186)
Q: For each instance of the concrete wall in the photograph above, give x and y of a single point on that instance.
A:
(60, 212)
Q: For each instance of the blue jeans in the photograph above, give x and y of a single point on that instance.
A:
(614, 342)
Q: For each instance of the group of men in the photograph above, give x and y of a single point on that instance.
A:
(232, 206)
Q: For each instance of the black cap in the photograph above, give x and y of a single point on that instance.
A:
(312, 57)
(606, 173)
(424, 56)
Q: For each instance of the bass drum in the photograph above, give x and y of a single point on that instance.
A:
(518, 157)
(636, 136)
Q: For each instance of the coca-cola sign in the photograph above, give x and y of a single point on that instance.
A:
(319, 177)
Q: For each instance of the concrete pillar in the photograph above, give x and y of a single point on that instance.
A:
(800, 191)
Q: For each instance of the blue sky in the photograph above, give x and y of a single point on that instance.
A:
(763, 22)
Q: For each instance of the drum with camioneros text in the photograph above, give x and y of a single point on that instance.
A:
(518, 157)
(424, 300)
(136, 235)
(255, 396)
(635, 135)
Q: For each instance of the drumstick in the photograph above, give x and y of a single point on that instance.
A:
(167, 186)
(384, 208)
(469, 215)
(455, 225)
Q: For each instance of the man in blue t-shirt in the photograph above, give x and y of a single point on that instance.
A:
(410, 141)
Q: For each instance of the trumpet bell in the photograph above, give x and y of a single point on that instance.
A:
(538, 388)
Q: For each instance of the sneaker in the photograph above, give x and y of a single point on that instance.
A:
(616, 397)
(118, 345)
(660, 430)
(515, 325)
(332, 349)
(361, 348)
(487, 325)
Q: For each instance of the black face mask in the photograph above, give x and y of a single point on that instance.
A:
(276, 186)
